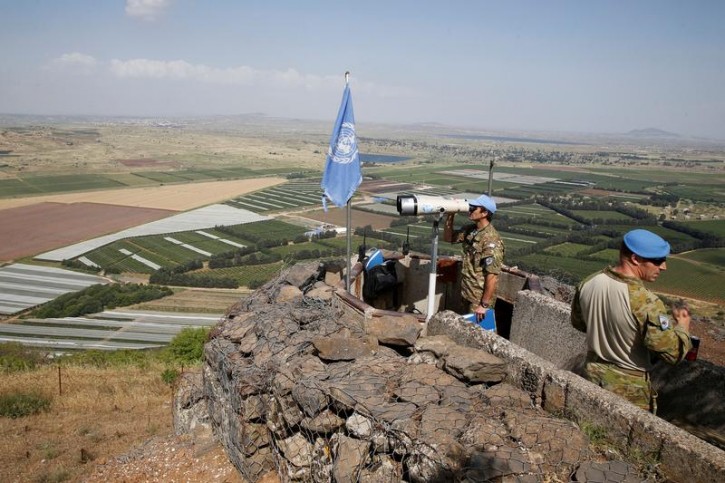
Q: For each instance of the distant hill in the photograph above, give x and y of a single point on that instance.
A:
(652, 132)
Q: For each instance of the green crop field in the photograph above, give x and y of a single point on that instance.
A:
(566, 249)
(130, 179)
(560, 267)
(712, 256)
(162, 176)
(686, 278)
(246, 274)
(16, 187)
(609, 255)
(715, 227)
(666, 233)
(602, 215)
(64, 183)
(543, 230)
(526, 210)
(298, 247)
(268, 230)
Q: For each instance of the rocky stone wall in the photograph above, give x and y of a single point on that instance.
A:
(678, 454)
(691, 393)
(301, 387)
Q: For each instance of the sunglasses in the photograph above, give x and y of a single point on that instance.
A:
(471, 209)
(655, 261)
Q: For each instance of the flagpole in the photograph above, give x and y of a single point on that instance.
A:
(343, 174)
(348, 223)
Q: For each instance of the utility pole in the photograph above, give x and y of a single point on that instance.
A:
(490, 177)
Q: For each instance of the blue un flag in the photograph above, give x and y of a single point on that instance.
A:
(342, 173)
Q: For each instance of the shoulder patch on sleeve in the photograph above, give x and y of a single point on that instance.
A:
(664, 322)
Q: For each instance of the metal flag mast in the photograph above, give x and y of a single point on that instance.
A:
(348, 213)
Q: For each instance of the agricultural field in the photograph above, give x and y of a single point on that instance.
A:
(712, 256)
(29, 230)
(666, 233)
(604, 215)
(566, 249)
(570, 270)
(687, 278)
(609, 255)
(714, 227)
(246, 276)
(288, 197)
(177, 168)
(195, 300)
(145, 254)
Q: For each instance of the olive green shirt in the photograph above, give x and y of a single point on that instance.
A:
(625, 323)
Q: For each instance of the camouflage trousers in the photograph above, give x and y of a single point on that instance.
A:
(634, 386)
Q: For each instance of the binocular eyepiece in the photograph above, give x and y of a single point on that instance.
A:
(412, 205)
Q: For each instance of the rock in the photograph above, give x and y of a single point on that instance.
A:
(310, 399)
(474, 365)
(321, 293)
(439, 345)
(344, 349)
(302, 274)
(325, 422)
(190, 413)
(383, 468)
(297, 450)
(393, 330)
(417, 393)
(287, 293)
(352, 454)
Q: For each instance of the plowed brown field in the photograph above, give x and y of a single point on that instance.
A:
(38, 228)
(33, 225)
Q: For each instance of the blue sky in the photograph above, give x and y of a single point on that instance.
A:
(581, 66)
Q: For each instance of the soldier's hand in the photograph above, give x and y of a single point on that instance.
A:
(682, 316)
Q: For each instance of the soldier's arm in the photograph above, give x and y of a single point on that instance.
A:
(449, 234)
(577, 320)
(489, 288)
(491, 265)
(667, 340)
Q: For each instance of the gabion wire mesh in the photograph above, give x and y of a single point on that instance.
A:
(302, 390)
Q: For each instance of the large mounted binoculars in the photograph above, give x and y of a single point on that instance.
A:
(428, 205)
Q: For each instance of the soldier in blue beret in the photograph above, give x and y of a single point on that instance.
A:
(626, 324)
(483, 252)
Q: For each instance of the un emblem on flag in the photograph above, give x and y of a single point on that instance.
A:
(345, 147)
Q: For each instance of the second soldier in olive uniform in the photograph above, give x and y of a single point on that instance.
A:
(483, 252)
(626, 324)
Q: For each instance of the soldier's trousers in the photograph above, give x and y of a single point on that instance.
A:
(633, 386)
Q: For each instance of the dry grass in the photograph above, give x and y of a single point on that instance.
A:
(100, 413)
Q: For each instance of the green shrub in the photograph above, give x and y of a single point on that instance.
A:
(15, 357)
(17, 405)
(188, 346)
(119, 358)
(169, 376)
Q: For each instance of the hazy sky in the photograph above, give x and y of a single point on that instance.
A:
(585, 66)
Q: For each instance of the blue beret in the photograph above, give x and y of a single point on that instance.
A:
(646, 244)
(484, 201)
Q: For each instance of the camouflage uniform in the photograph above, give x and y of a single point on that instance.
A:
(625, 325)
(483, 253)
